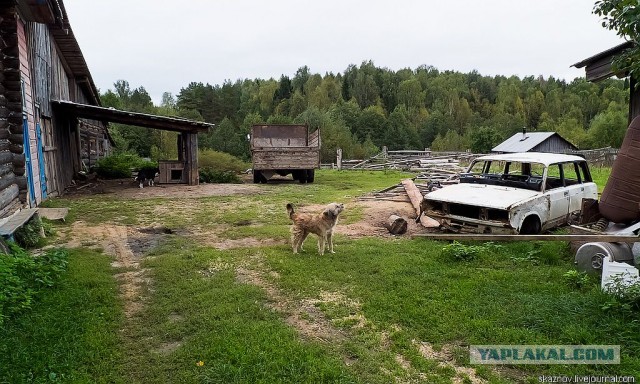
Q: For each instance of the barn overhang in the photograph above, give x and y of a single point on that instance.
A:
(111, 115)
(599, 66)
(188, 129)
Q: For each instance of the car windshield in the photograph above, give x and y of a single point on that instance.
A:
(505, 173)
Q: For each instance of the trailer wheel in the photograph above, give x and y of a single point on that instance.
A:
(311, 175)
(302, 176)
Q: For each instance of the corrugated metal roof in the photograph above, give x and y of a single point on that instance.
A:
(523, 143)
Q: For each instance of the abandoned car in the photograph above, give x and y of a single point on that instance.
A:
(524, 193)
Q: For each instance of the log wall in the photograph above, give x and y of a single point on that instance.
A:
(12, 182)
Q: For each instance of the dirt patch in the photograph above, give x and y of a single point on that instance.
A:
(375, 215)
(444, 358)
(127, 246)
(128, 188)
(302, 315)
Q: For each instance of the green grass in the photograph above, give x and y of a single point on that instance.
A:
(383, 296)
(600, 175)
(71, 334)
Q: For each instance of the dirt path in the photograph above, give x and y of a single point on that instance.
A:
(127, 246)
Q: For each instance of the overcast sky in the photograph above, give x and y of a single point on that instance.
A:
(165, 47)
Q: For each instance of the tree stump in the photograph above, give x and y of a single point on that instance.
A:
(396, 225)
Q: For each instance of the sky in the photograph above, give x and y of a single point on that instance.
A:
(165, 47)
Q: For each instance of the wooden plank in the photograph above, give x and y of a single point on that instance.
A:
(53, 213)
(16, 221)
(416, 198)
(482, 237)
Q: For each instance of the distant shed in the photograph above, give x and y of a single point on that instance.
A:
(549, 142)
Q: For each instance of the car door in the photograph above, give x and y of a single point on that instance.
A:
(558, 195)
(574, 184)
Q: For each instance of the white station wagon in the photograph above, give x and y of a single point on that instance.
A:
(524, 193)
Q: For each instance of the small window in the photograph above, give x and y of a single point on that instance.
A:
(554, 177)
(584, 169)
(571, 173)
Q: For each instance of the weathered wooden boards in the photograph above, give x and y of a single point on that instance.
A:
(416, 198)
(488, 237)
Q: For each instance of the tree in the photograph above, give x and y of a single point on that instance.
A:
(608, 128)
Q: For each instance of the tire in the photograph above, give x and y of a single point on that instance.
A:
(257, 175)
(311, 175)
(531, 226)
(303, 176)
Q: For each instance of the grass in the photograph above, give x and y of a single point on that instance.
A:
(71, 334)
(381, 297)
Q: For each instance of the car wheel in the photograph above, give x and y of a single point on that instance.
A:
(531, 226)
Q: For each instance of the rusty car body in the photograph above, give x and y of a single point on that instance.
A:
(513, 193)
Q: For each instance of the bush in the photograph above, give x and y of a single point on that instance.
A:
(22, 276)
(209, 175)
(28, 236)
(623, 296)
(220, 161)
(120, 165)
(460, 252)
(576, 280)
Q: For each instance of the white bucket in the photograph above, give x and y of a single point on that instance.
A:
(611, 269)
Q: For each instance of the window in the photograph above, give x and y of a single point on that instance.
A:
(571, 173)
(554, 176)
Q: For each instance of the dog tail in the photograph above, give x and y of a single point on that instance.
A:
(290, 210)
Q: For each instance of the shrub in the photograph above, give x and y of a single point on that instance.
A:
(28, 236)
(460, 252)
(220, 161)
(209, 175)
(576, 280)
(22, 276)
(624, 296)
(118, 166)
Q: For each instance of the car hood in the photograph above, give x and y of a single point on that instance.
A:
(489, 196)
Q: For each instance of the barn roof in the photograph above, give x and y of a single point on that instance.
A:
(54, 14)
(526, 142)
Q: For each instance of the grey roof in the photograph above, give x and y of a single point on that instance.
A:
(516, 143)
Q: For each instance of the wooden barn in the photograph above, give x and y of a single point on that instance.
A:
(51, 123)
(549, 142)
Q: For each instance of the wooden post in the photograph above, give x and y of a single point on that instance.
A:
(191, 140)
(416, 198)
(385, 152)
(339, 158)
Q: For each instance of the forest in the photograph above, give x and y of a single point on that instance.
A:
(367, 107)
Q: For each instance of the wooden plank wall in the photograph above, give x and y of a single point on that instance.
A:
(28, 110)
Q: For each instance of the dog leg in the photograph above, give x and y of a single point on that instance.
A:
(142, 184)
(302, 239)
(330, 241)
(321, 244)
